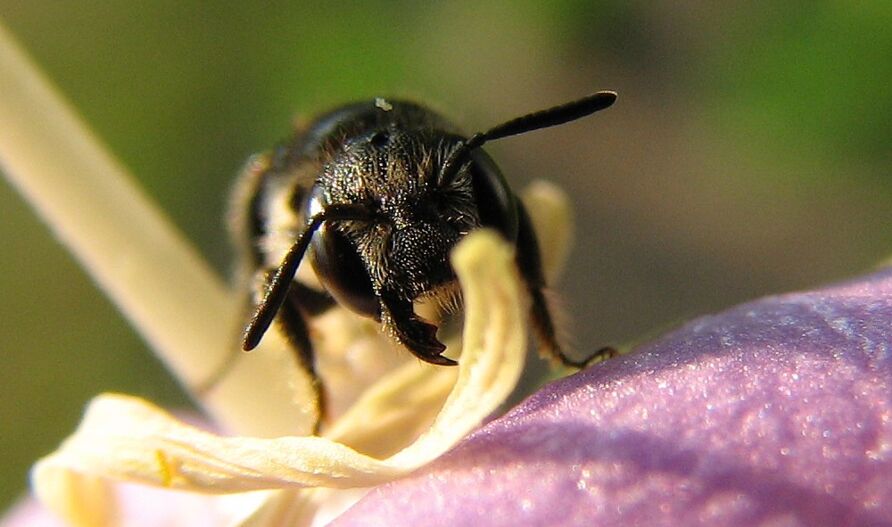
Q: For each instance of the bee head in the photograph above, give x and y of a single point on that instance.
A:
(416, 218)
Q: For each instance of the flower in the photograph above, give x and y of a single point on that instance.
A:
(775, 412)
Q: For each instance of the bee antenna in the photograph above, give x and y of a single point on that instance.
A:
(557, 115)
(279, 282)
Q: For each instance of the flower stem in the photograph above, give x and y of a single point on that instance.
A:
(128, 247)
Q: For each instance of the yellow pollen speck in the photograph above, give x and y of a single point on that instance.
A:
(164, 468)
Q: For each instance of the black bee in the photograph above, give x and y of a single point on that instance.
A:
(378, 193)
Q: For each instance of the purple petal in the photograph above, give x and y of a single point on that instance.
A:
(777, 412)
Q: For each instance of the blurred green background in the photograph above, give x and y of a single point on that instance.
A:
(749, 152)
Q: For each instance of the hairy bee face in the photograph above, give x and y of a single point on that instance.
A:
(415, 221)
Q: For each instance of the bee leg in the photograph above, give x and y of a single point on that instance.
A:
(530, 264)
(301, 303)
(412, 331)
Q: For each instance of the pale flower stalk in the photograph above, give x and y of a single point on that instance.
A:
(408, 417)
(129, 249)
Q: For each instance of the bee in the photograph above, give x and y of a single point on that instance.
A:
(376, 194)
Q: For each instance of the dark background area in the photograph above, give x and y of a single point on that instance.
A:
(749, 152)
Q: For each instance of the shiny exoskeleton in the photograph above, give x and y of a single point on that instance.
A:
(377, 194)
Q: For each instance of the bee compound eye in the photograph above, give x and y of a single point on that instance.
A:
(495, 201)
(342, 272)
